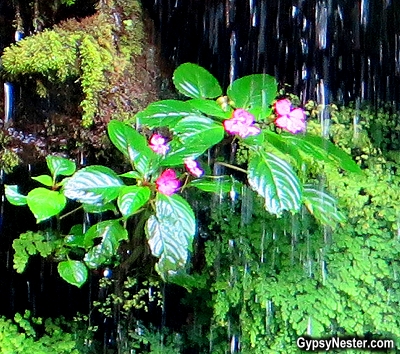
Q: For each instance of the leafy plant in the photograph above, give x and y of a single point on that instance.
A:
(164, 165)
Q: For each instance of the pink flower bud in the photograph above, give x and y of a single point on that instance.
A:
(193, 167)
(158, 144)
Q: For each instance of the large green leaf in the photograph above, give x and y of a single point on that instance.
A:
(322, 149)
(170, 233)
(275, 180)
(46, 180)
(165, 113)
(322, 206)
(93, 185)
(254, 92)
(45, 203)
(111, 234)
(196, 82)
(132, 198)
(210, 108)
(199, 130)
(60, 166)
(13, 196)
(74, 272)
(195, 134)
(132, 144)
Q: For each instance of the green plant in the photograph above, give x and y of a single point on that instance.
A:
(273, 280)
(149, 198)
(26, 334)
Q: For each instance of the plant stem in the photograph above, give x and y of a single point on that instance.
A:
(71, 212)
(231, 166)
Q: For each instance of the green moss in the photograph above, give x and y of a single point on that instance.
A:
(90, 51)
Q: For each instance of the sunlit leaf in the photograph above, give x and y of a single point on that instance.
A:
(322, 206)
(254, 92)
(275, 180)
(215, 185)
(93, 185)
(210, 108)
(110, 233)
(60, 166)
(73, 272)
(44, 179)
(132, 198)
(45, 203)
(170, 233)
(132, 144)
(196, 82)
(165, 113)
(131, 174)
(13, 196)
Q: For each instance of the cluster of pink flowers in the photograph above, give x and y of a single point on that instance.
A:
(158, 144)
(291, 120)
(242, 124)
(168, 183)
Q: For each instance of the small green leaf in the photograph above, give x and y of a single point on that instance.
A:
(322, 206)
(170, 233)
(45, 203)
(165, 113)
(210, 108)
(132, 198)
(93, 185)
(254, 92)
(12, 195)
(217, 185)
(99, 208)
(44, 179)
(73, 272)
(75, 237)
(131, 174)
(275, 180)
(196, 82)
(60, 166)
(133, 145)
(111, 234)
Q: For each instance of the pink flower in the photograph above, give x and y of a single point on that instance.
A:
(168, 183)
(291, 120)
(242, 124)
(157, 144)
(193, 167)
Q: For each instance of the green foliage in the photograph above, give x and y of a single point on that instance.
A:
(275, 280)
(147, 193)
(25, 334)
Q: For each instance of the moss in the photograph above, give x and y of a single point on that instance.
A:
(92, 51)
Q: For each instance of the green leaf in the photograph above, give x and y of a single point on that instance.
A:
(45, 203)
(195, 134)
(111, 234)
(275, 180)
(224, 184)
(170, 233)
(133, 145)
(44, 179)
(73, 272)
(278, 142)
(165, 113)
(93, 185)
(75, 237)
(322, 206)
(322, 149)
(254, 92)
(12, 195)
(99, 208)
(199, 130)
(132, 198)
(196, 82)
(131, 174)
(60, 166)
(211, 108)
